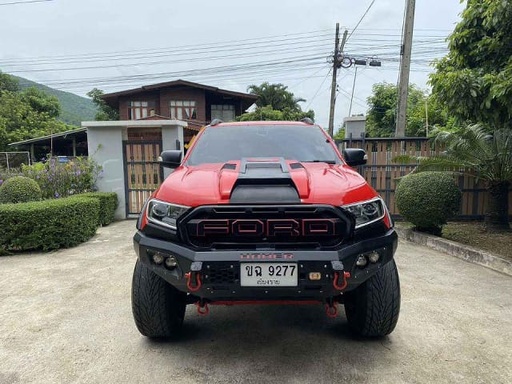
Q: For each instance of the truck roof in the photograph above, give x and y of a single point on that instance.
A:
(266, 123)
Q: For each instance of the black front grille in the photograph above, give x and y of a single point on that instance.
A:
(221, 274)
(276, 227)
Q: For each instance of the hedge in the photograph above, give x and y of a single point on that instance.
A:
(108, 205)
(48, 224)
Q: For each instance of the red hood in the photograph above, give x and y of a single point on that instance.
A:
(317, 183)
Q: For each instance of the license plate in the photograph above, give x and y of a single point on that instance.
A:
(268, 275)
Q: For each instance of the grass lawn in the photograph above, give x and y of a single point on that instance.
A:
(472, 233)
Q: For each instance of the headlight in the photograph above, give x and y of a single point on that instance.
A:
(367, 212)
(165, 214)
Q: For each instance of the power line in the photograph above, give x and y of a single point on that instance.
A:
(295, 62)
(233, 45)
(248, 71)
(318, 90)
(362, 17)
(309, 77)
(25, 2)
(420, 52)
(197, 48)
(181, 59)
(288, 56)
(348, 95)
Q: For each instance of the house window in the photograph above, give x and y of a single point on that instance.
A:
(183, 109)
(225, 112)
(140, 109)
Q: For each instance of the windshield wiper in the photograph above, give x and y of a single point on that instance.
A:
(320, 161)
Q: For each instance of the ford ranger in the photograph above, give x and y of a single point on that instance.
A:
(265, 213)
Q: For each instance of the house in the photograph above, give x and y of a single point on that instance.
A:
(196, 104)
(153, 118)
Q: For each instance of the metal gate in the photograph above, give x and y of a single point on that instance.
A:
(143, 173)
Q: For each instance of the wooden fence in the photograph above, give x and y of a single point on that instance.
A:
(381, 173)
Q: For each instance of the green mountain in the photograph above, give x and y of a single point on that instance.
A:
(74, 108)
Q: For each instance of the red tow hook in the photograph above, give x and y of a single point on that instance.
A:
(331, 310)
(193, 281)
(202, 308)
(340, 280)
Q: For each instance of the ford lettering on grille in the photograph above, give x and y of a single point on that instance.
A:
(266, 228)
(253, 227)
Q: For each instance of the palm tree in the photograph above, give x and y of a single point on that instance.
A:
(485, 155)
(275, 95)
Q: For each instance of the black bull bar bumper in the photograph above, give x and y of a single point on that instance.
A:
(216, 275)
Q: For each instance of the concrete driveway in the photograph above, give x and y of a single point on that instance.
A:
(65, 317)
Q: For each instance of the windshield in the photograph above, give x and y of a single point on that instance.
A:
(292, 142)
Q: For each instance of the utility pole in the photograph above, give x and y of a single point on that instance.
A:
(333, 83)
(352, 96)
(426, 116)
(405, 68)
(335, 65)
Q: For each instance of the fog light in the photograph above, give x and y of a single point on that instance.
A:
(361, 261)
(314, 276)
(171, 262)
(373, 257)
(158, 258)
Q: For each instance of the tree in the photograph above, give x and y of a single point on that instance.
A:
(267, 113)
(26, 114)
(105, 112)
(275, 95)
(8, 83)
(19, 120)
(340, 134)
(275, 102)
(477, 153)
(381, 117)
(41, 102)
(475, 82)
(475, 79)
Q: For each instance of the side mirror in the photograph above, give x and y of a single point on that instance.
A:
(170, 158)
(355, 156)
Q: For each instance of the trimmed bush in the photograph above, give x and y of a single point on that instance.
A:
(7, 174)
(428, 200)
(19, 189)
(108, 205)
(48, 224)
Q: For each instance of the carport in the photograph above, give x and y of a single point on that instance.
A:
(68, 143)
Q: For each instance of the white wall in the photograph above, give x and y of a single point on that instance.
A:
(105, 145)
(355, 128)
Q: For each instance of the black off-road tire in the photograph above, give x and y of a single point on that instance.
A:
(158, 308)
(372, 308)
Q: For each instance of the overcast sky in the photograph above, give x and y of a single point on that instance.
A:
(76, 45)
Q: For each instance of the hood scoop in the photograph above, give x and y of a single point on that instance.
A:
(264, 181)
(229, 166)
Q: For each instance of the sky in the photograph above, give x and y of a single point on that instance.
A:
(114, 45)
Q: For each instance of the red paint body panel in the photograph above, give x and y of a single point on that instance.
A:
(317, 183)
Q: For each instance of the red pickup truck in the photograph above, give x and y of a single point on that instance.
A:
(265, 212)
